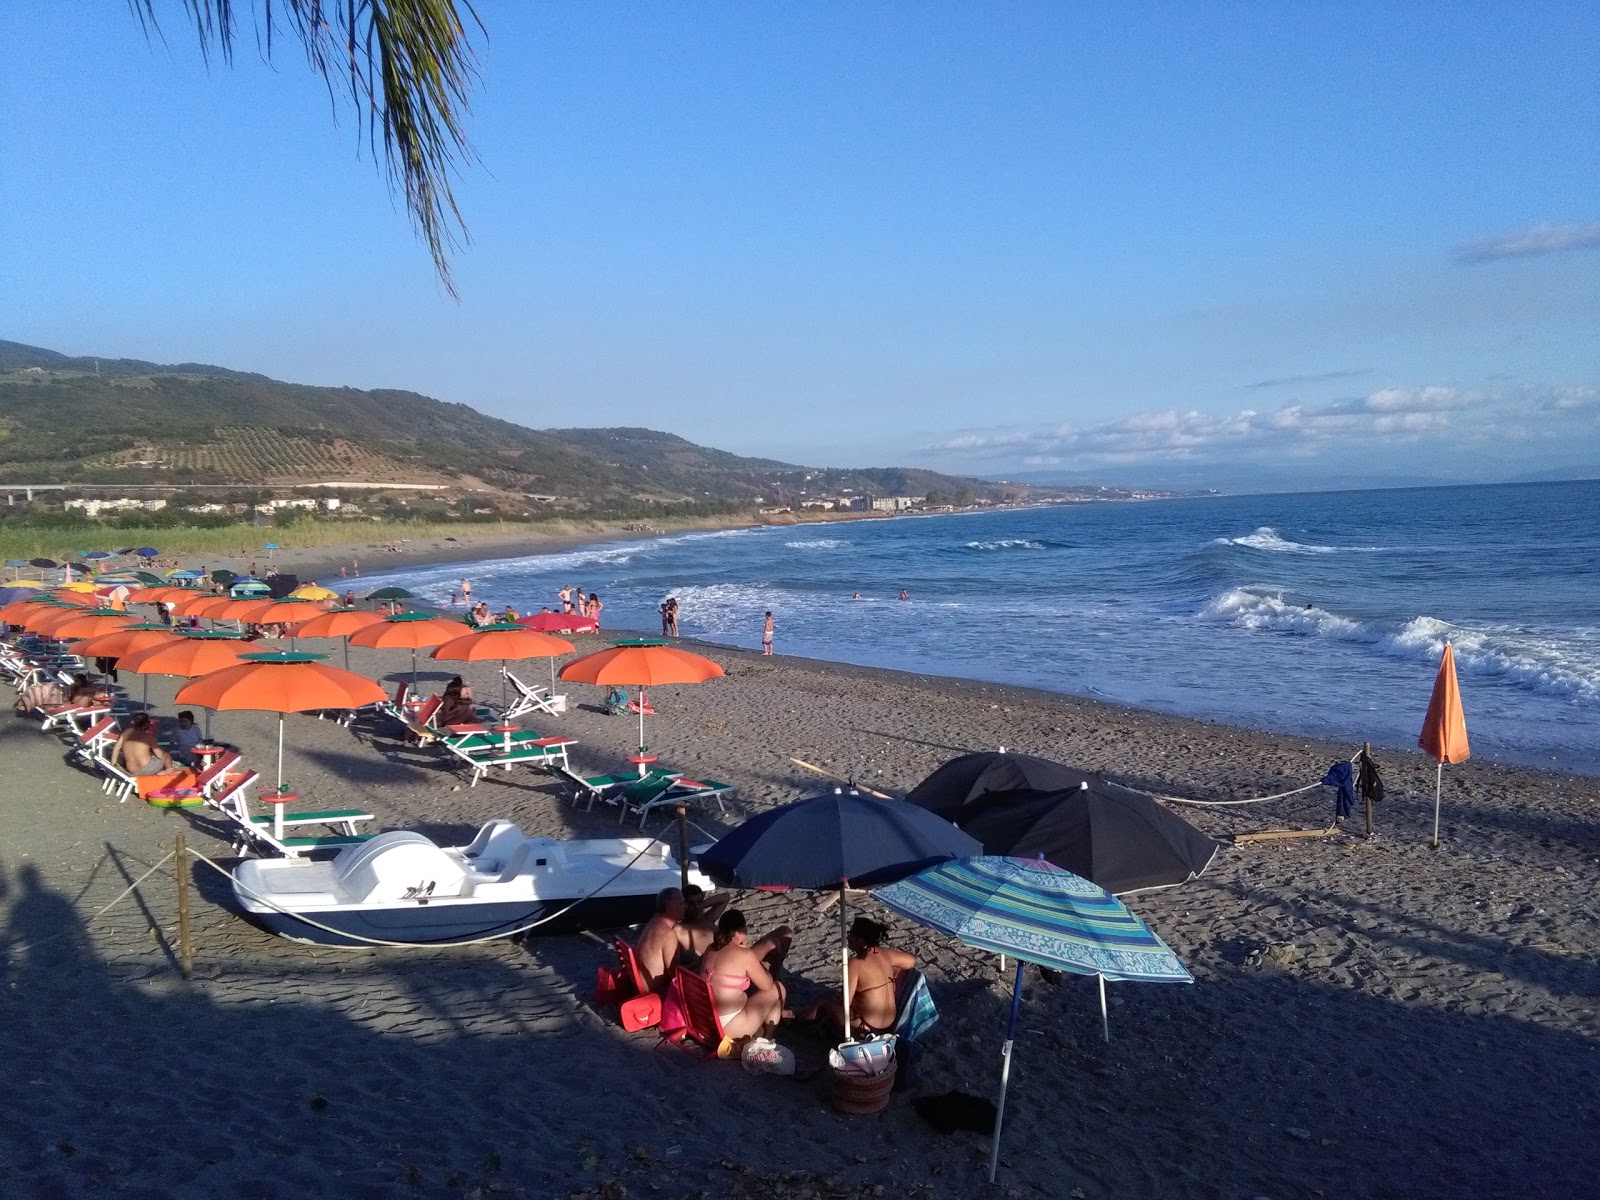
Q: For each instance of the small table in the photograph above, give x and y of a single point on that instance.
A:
(505, 732)
(642, 761)
(205, 752)
(278, 800)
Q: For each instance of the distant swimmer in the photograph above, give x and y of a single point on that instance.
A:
(904, 595)
(857, 596)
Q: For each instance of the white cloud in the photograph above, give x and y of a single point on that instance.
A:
(1533, 241)
(1390, 415)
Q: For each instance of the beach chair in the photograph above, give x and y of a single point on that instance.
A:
(593, 787)
(114, 780)
(528, 699)
(646, 795)
(486, 750)
(59, 717)
(689, 1014)
(233, 802)
(90, 742)
(637, 1006)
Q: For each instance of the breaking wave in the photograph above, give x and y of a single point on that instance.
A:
(1006, 544)
(1563, 665)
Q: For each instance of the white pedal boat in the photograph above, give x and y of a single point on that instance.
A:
(402, 887)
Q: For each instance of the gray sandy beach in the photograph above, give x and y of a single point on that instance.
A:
(1368, 1018)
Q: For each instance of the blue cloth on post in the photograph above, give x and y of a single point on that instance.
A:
(1341, 776)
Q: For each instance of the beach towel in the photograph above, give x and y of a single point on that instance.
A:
(1341, 776)
(915, 1011)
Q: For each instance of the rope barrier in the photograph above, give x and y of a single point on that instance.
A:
(1353, 759)
(545, 920)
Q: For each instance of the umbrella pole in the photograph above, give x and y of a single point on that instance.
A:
(1439, 781)
(1005, 1073)
(145, 702)
(641, 728)
(503, 669)
(347, 652)
(280, 753)
(844, 960)
(1105, 1021)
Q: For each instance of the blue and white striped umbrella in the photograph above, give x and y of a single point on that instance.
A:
(1033, 910)
(1039, 913)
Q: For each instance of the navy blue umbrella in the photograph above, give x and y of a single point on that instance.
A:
(840, 836)
(832, 840)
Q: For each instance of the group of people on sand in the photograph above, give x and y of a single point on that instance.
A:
(698, 934)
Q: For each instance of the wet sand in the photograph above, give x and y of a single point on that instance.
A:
(1368, 1018)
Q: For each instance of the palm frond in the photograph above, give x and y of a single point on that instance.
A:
(408, 64)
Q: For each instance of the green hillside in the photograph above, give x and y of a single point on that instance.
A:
(109, 421)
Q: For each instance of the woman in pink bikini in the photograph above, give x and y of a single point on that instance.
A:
(749, 1000)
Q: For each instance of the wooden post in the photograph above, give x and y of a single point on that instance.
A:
(1366, 754)
(185, 947)
(683, 846)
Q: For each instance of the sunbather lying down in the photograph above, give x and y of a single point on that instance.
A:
(749, 1000)
(872, 971)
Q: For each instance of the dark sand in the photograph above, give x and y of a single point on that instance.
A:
(1368, 1018)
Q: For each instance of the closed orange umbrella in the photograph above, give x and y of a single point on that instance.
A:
(506, 643)
(280, 682)
(339, 623)
(1444, 729)
(408, 631)
(641, 663)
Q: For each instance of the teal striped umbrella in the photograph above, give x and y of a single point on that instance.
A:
(1036, 912)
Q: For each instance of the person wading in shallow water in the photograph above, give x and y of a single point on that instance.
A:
(766, 635)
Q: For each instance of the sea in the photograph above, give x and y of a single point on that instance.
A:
(1319, 613)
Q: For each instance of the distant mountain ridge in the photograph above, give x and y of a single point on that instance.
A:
(66, 419)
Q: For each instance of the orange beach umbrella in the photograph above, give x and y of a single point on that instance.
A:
(641, 663)
(129, 640)
(199, 604)
(506, 643)
(280, 682)
(23, 613)
(189, 655)
(84, 623)
(1444, 729)
(339, 623)
(408, 631)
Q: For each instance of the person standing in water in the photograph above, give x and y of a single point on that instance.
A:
(766, 635)
(466, 591)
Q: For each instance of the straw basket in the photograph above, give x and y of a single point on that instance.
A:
(855, 1091)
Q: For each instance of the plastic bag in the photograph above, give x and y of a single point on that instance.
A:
(763, 1056)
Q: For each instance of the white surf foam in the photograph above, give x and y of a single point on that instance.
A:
(1564, 664)
(1267, 538)
(817, 544)
(1007, 544)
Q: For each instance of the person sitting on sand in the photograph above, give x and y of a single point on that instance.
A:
(136, 751)
(457, 706)
(872, 972)
(748, 999)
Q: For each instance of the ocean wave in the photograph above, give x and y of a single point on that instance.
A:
(1006, 544)
(817, 544)
(1267, 538)
(1565, 665)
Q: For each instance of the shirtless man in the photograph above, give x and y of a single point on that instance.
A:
(136, 751)
(661, 939)
(699, 924)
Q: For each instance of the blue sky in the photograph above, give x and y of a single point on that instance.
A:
(1207, 243)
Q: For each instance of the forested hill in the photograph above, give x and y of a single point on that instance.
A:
(86, 420)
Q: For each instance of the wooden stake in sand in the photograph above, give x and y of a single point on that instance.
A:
(1366, 756)
(683, 847)
(860, 787)
(181, 873)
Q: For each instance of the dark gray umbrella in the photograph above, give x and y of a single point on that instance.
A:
(1121, 839)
